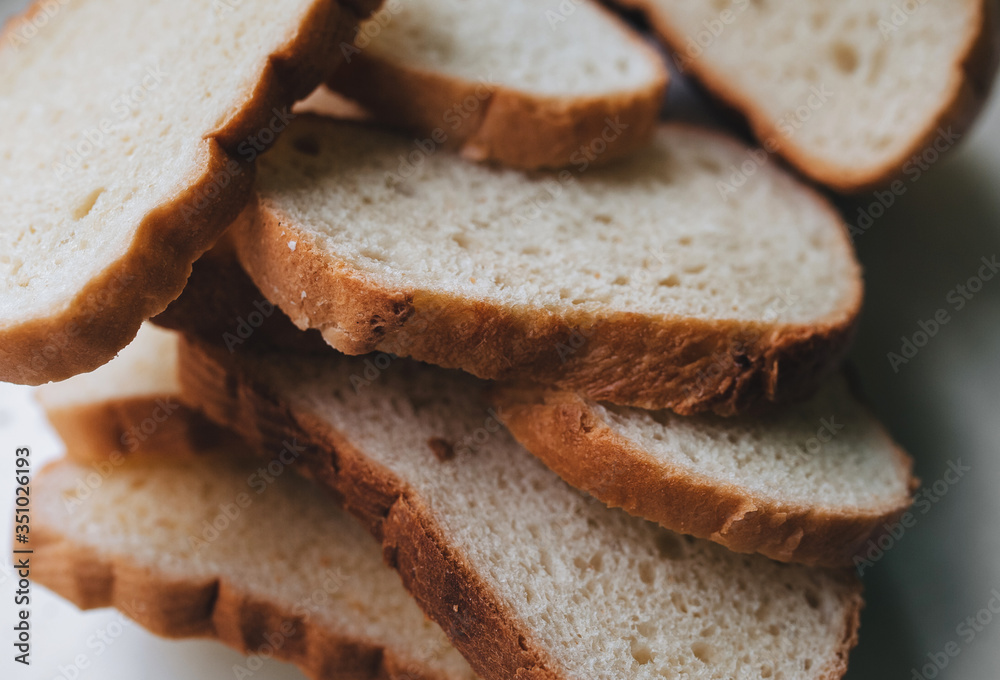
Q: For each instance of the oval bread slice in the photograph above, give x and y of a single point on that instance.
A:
(526, 83)
(638, 283)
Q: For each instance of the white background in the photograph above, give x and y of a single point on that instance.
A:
(942, 406)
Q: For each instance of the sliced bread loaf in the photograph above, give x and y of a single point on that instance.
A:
(636, 283)
(131, 132)
(529, 84)
(197, 544)
(528, 577)
(852, 93)
(810, 484)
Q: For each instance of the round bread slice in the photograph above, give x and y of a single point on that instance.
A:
(527, 83)
(132, 131)
(638, 283)
(810, 484)
(854, 93)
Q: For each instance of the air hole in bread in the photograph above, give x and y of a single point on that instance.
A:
(702, 651)
(641, 652)
(87, 204)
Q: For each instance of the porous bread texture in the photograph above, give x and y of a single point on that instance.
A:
(526, 83)
(810, 484)
(140, 542)
(848, 91)
(527, 576)
(132, 131)
(637, 283)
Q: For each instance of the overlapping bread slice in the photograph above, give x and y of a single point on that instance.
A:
(131, 129)
(529, 84)
(192, 540)
(808, 483)
(852, 93)
(811, 483)
(638, 283)
(528, 577)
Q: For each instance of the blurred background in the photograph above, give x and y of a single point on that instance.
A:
(931, 587)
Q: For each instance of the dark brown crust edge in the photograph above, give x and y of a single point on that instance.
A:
(581, 448)
(686, 365)
(512, 127)
(178, 608)
(107, 313)
(974, 72)
(497, 646)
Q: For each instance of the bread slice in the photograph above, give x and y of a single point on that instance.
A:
(854, 94)
(635, 283)
(134, 126)
(526, 83)
(196, 544)
(528, 577)
(810, 484)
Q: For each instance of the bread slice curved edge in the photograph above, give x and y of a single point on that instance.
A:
(105, 316)
(575, 442)
(974, 71)
(686, 365)
(176, 607)
(506, 125)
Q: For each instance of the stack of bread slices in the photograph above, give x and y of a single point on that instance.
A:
(575, 368)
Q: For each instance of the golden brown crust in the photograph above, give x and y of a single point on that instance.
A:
(512, 127)
(153, 424)
(686, 365)
(446, 586)
(575, 442)
(176, 606)
(479, 625)
(974, 71)
(105, 316)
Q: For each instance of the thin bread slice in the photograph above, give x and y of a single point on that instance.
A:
(526, 83)
(635, 283)
(133, 127)
(810, 484)
(196, 544)
(854, 94)
(528, 577)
